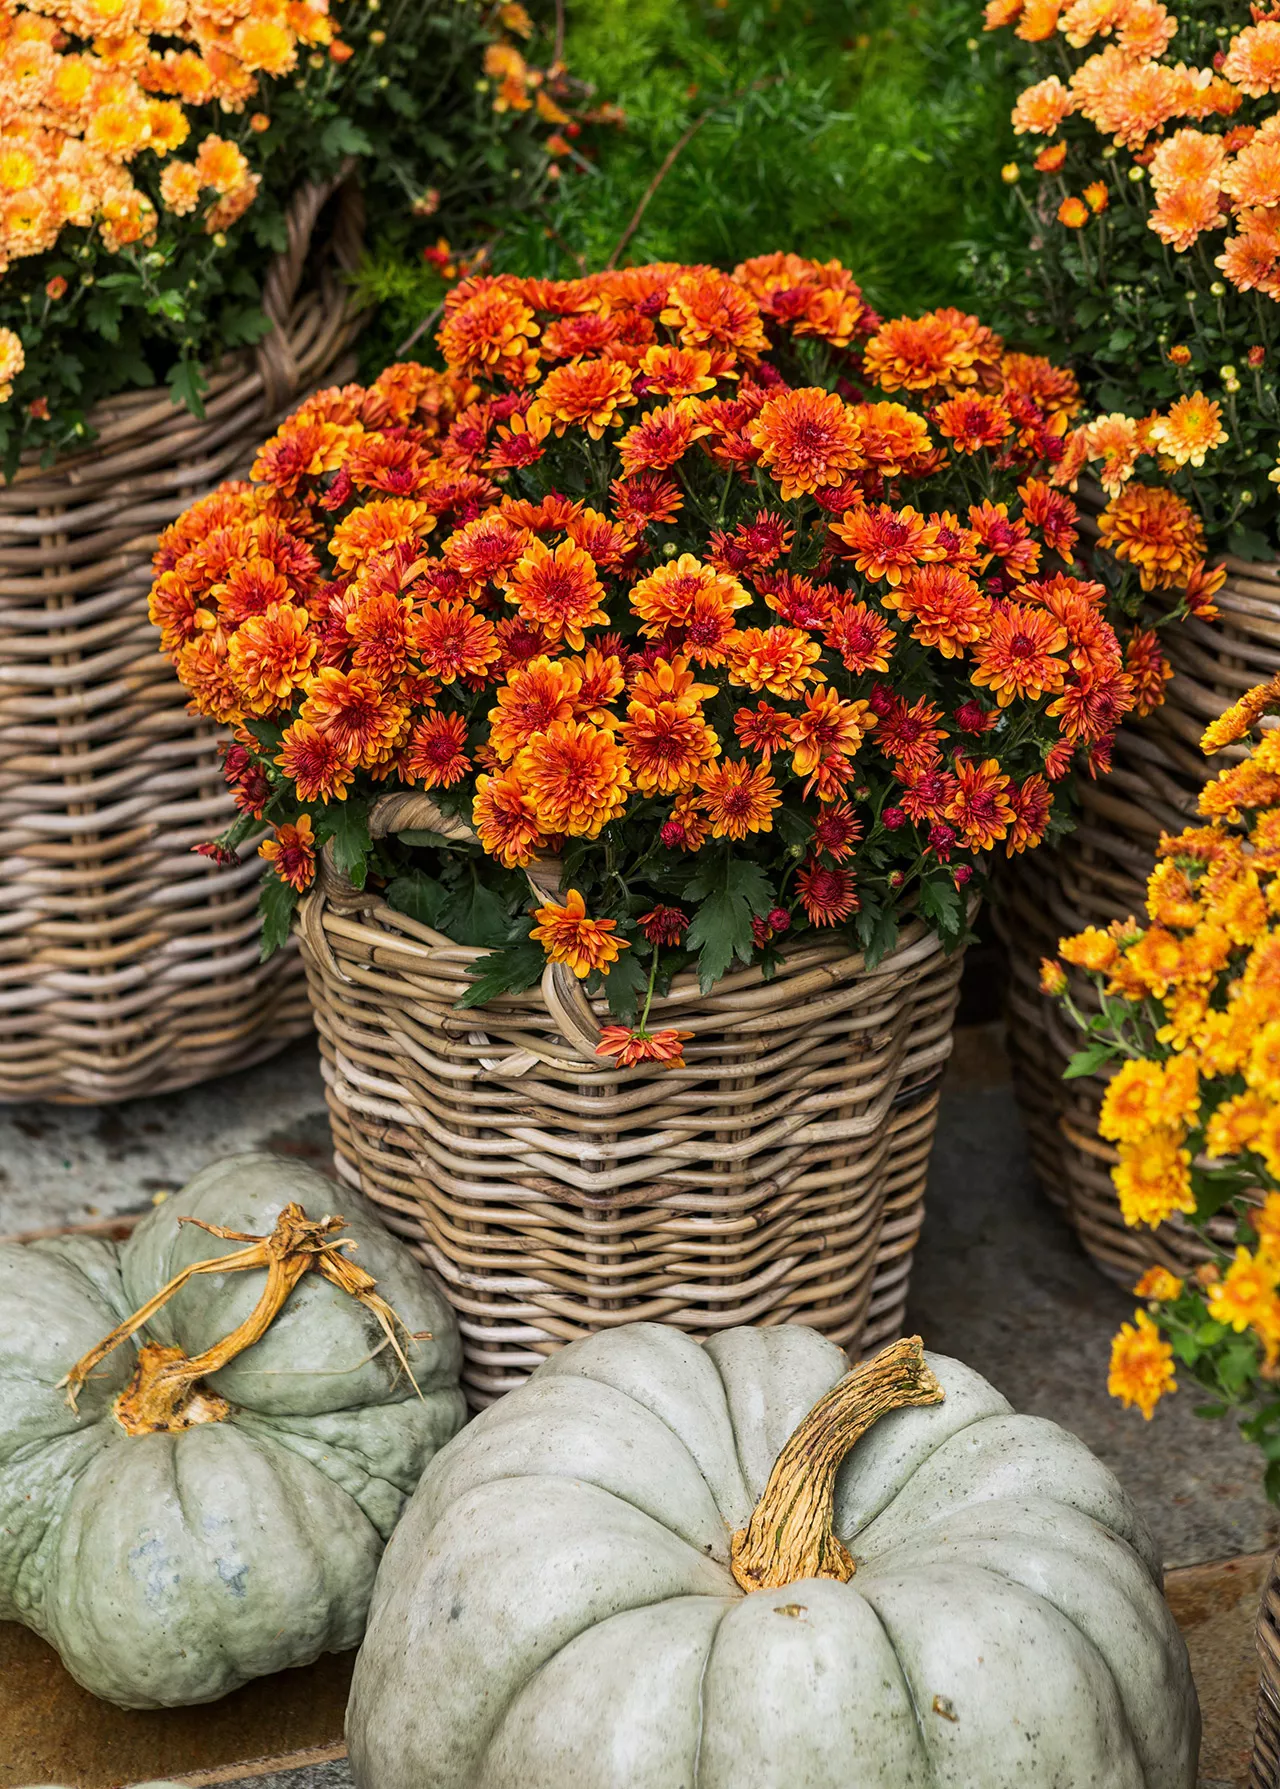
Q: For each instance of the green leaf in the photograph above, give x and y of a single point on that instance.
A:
(418, 835)
(877, 929)
(419, 896)
(625, 986)
(1216, 1187)
(508, 971)
(347, 824)
(341, 137)
(1088, 1061)
(188, 385)
(475, 915)
(730, 891)
(276, 903)
(942, 902)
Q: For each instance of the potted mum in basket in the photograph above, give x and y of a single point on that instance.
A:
(738, 625)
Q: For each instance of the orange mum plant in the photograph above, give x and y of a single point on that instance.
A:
(757, 612)
(1154, 251)
(1188, 1015)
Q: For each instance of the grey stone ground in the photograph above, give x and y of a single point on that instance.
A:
(998, 1280)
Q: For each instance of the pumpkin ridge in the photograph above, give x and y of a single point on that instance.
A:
(926, 1757)
(702, 1701)
(1055, 1547)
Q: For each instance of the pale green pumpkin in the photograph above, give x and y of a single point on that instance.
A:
(559, 1607)
(171, 1567)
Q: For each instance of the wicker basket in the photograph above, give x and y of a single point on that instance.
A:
(778, 1177)
(1265, 1770)
(1099, 873)
(128, 965)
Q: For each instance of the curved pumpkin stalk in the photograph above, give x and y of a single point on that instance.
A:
(164, 1393)
(791, 1533)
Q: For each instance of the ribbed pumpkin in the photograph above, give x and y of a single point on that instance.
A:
(176, 1536)
(659, 1565)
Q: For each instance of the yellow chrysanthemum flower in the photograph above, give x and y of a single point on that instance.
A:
(1153, 1178)
(1141, 1365)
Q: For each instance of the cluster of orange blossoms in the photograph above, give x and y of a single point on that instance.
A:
(1192, 1002)
(1206, 173)
(86, 86)
(690, 564)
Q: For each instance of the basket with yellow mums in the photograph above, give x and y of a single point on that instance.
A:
(1189, 1020)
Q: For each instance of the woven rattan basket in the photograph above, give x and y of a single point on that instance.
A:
(1265, 1770)
(1099, 873)
(128, 965)
(778, 1177)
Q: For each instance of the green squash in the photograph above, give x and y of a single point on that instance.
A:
(171, 1567)
(563, 1605)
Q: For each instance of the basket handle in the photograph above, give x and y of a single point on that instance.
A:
(277, 365)
(414, 811)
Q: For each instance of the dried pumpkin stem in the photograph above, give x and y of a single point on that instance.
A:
(791, 1534)
(164, 1393)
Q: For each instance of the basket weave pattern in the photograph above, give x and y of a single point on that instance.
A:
(1099, 873)
(128, 965)
(777, 1177)
(1265, 1770)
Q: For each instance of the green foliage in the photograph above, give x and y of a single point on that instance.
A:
(508, 971)
(276, 903)
(863, 131)
(730, 891)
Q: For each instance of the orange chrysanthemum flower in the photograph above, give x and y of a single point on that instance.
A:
(862, 637)
(505, 821)
(575, 776)
(781, 660)
(974, 421)
(666, 748)
(558, 591)
(980, 809)
(568, 936)
(827, 727)
(364, 720)
(1253, 61)
(589, 394)
(452, 640)
(808, 439)
(659, 441)
(670, 596)
(1192, 428)
(884, 542)
(270, 656)
(670, 681)
(710, 310)
(291, 852)
(1042, 108)
(946, 609)
(827, 893)
(738, 798)
(1152, 528)
(314, 763)
(893, 439)
(486, 550)
(1015, 659)
(534, 696)
(628, 1046)
(944, 351)
(434, 754)
(677, 372)
(1114, 441)
(489, 334)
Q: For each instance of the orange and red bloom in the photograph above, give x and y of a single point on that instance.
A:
(768, 628)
